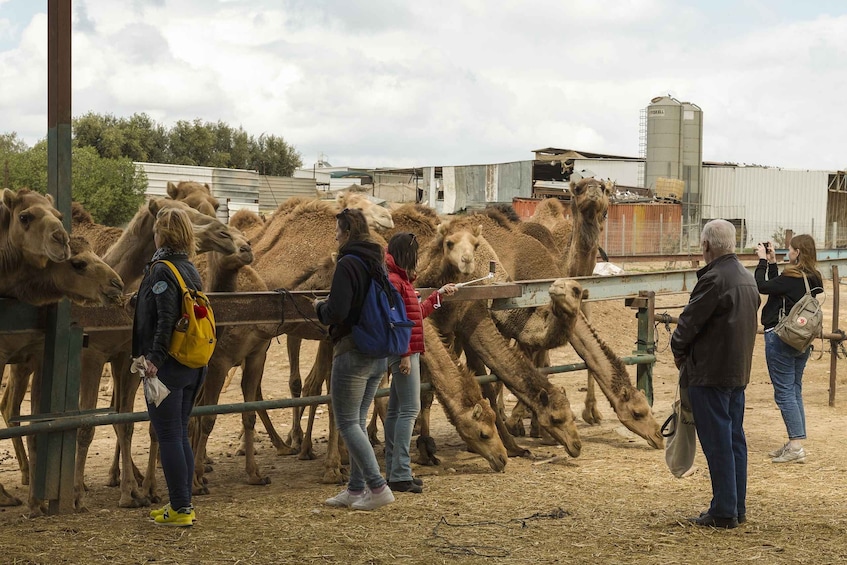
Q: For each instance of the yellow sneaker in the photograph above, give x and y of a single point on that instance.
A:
(183, 517)
(159, 511)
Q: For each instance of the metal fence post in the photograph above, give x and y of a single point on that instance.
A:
(646, 344)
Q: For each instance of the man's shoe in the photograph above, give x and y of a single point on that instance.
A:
(417, 481)
(184, 517)
(405, 486)
(714, 521)
(791, 456)
(741, 517)
(372, 501)
(777, 452)
(344, 499)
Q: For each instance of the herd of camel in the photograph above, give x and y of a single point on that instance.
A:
(294, 249)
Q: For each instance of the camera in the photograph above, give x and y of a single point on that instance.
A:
(767, 246)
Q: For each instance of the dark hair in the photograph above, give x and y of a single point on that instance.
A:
(403, 247)
(353, 221)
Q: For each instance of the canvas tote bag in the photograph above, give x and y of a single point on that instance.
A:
(680, 436)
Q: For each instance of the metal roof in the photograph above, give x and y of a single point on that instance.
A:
(575, 154)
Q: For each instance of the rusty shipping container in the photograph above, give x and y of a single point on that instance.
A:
(642, 228)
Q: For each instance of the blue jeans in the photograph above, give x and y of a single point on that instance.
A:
(170, 420)
(354, 382)
(404, 403)
(785, 366)
(719, 420)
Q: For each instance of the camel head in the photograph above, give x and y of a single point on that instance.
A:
(210, 234)
(634, 412)
(566, 296)
(196, 195)
(478, 429)
(247, 221)
(85, 278)
(318, 276)
(33, 227)
(243, 252)
(379, 218)
(459, 245)
(557, 419)
(590, 199)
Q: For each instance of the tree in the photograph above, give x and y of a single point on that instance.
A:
(271, 155)
(110, 189)
(137, 137)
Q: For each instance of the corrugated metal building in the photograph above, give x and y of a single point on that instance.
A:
(451, 189)
(767, 199)
(273, 191)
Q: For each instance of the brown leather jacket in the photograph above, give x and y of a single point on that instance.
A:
(715, 334)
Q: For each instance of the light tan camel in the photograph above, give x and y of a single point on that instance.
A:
(247, 222)
(460, 254)
(31, 231)
(85, 279)
(194, 195)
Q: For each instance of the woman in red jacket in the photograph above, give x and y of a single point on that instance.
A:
(404, 402)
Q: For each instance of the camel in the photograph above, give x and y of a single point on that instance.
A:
(247, 222)
(99, 236)
(460, 254)
(563, 321)
(194, 195)
(85, 279)
(31, 231)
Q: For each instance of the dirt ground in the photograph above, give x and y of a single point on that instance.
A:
(616, 503)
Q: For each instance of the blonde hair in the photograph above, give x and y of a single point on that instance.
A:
(175, 230)
(807, 258)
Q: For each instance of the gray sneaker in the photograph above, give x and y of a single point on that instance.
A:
(791, 456)
(777, 452)
(373, 501)
(344, 499)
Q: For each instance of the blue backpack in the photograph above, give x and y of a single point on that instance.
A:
(383, 328)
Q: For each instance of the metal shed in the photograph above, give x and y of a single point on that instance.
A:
(273, 191)
(476, 185)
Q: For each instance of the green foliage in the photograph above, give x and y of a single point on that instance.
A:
(111, 189)
(196, 142)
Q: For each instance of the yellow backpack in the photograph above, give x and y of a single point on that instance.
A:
(193, 339)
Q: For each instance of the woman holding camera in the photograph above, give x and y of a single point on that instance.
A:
(786, 364)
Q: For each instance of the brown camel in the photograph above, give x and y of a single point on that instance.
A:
(99, 236)
(459, 254)
(31, 231)
(247, 222)
(194, 195)
(85, 279)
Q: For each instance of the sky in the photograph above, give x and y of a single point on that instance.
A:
(398, 83)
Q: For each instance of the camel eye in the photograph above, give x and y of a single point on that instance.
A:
(484, 436)
(25, 218)
(556, 421)
(78, 265)
(476, 245)
(637, 416)
(449, 245)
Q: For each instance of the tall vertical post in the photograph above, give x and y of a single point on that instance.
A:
(59, 390)
(646, 342)
(833, 345)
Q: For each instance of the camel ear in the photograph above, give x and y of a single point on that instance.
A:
(209, 188)
(334, 256)
(154, 207)
(544, 398)
(341, 198)
(624, 394)
(172, 191)
(477, 230)
(477, 411)
(8, 198)
(49, 197)
(441, 229)
(585, 294)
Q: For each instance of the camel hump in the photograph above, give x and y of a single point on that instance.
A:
(80, 215)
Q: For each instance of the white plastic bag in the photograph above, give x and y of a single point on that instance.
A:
(154, 390)
(681, 438)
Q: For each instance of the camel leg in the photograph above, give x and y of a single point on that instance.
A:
(89, 388)
(590, 413)
(379, 411)
(209, 394)
(13, 397)
(7, 499)
(318, 375)
(514, 423)
(334, 473)
(126, 387)
(425, 444)
(282, 448)
(251, 378)
(149, 485)
(228, 381)
(295, 386)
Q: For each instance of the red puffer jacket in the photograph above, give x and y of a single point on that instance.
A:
(415, 310)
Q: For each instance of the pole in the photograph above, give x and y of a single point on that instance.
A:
(833, 345)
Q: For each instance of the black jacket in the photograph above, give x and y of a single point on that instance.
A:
(158, 306)
(350, 284)
(778, 288)
(716, 332)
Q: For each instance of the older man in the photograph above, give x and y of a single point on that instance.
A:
(713, 349)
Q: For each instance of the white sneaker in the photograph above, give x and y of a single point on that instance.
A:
(777, 452)
(373, 501)
(791, 456)
(344, 499)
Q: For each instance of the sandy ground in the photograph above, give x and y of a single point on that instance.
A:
(616, 503)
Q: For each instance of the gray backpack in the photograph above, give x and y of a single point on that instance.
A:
(803, 323)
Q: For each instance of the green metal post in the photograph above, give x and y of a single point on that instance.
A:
(646, 341)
